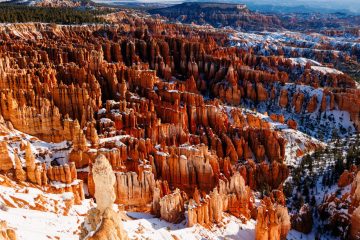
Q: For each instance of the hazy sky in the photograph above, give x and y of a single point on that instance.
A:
(353, 5)
(332, 4)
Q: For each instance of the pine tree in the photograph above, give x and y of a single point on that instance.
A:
(313, 201)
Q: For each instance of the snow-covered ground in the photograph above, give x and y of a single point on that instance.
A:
(295, 140)
(37, 225)
(31, 224)
(148, 227)
(323, 166)
(316, 124)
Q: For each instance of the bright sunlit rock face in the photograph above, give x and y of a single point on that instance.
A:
(104, 179)
(103, 222)
(194, 121)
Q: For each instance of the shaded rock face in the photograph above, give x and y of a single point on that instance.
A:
(103, 222)
(355, 224)
(219, 14)
(264, 175)
(292, 124)
(302, 222)
(355, 206)
(347, 177)
(237, 15)
(355, 191)
(332, 208)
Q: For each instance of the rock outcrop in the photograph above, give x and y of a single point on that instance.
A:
(156, 105)
(303, 221)
(6, 233)
(231, 196)
(103, 222)
(273, 221)
(172, 207)
(347, 177)
(6, 162)
(332, 208)
(355, 224)
(205, 210)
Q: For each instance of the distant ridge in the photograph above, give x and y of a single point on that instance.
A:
(219, 15)
(51, 3)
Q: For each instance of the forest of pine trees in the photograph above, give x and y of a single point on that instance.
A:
(16, 13)
(320, 171)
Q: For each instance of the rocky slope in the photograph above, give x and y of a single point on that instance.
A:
(51, 3)
(219, 15)
(238, 16)
(163, 117)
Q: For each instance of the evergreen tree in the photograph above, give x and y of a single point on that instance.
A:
(15, 13)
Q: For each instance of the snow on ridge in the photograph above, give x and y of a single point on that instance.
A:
(303, 61)
(326, 70)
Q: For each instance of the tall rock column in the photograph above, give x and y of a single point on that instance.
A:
(103, 221)
(20, 174)
(30, 163)
(5, 161)
(104, 179)
(272, 222)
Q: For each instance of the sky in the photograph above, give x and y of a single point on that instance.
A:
(352, 5)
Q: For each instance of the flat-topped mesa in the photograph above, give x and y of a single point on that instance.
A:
(103, 222)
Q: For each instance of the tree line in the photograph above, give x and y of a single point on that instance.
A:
(16, 14)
